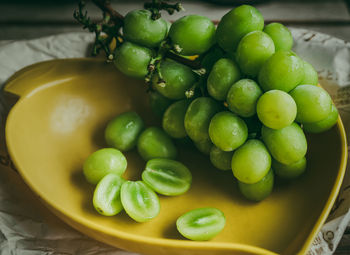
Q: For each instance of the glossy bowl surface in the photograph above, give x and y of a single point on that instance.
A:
(59, 119)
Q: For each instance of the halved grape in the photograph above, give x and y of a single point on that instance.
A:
(192, 35)
(251, 162)
(167, 177)
(227, 131)
(310, 74)
(177, 77)
(224, 73)
(140, 28)
(276, 109)
(252, 52)
(204, 146)
(243, 96)
(174, 118)
(221, 159)
(286, 145)
(260, 190)
(280, 35)
(290, 171)
(140, 202)
(198, 116)
(133, 60)
(201, 224)
(102, 162)
(237, 23)
(284, 70)
(323, 125)
(155, 143)
(122, 131)
(313, 103)
(106, 199)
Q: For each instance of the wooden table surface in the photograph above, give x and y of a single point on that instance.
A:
(21, 19)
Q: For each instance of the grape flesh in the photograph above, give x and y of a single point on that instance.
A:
(201, 224)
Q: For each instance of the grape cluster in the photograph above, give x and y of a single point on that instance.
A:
(246, 105)
(249, 110)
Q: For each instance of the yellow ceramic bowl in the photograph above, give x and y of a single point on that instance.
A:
(59, 119)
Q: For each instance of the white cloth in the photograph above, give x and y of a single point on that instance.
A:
(27, 227)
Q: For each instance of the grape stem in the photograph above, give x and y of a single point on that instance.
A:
(108, 36)
(156, 6)
(106, 7)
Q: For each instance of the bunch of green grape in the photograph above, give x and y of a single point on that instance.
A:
(246, 105)
(250, 107)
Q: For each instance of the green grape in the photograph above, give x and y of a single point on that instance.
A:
(286, 145)
(133, 60)
(155, 143)
(227, 131)
(237, 23)
(313, 103)
(284, 70)
(221, 159)
(158, 103)
(251, 162)
(198, 116)
(276, 109)
(201, 224)
(174, 117)
(310, 74)
(252, 52)
(211, 57)
(122, 131)
(260, 190)
(204, 146)
(224, 73)
(167, 177)
(280, 35)
(323, 125)
(106, 199)
(178, 79)
(243, 96)
(192, 35)
(140, 28)
(290, 171)
(140, 202)
(102, 162)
